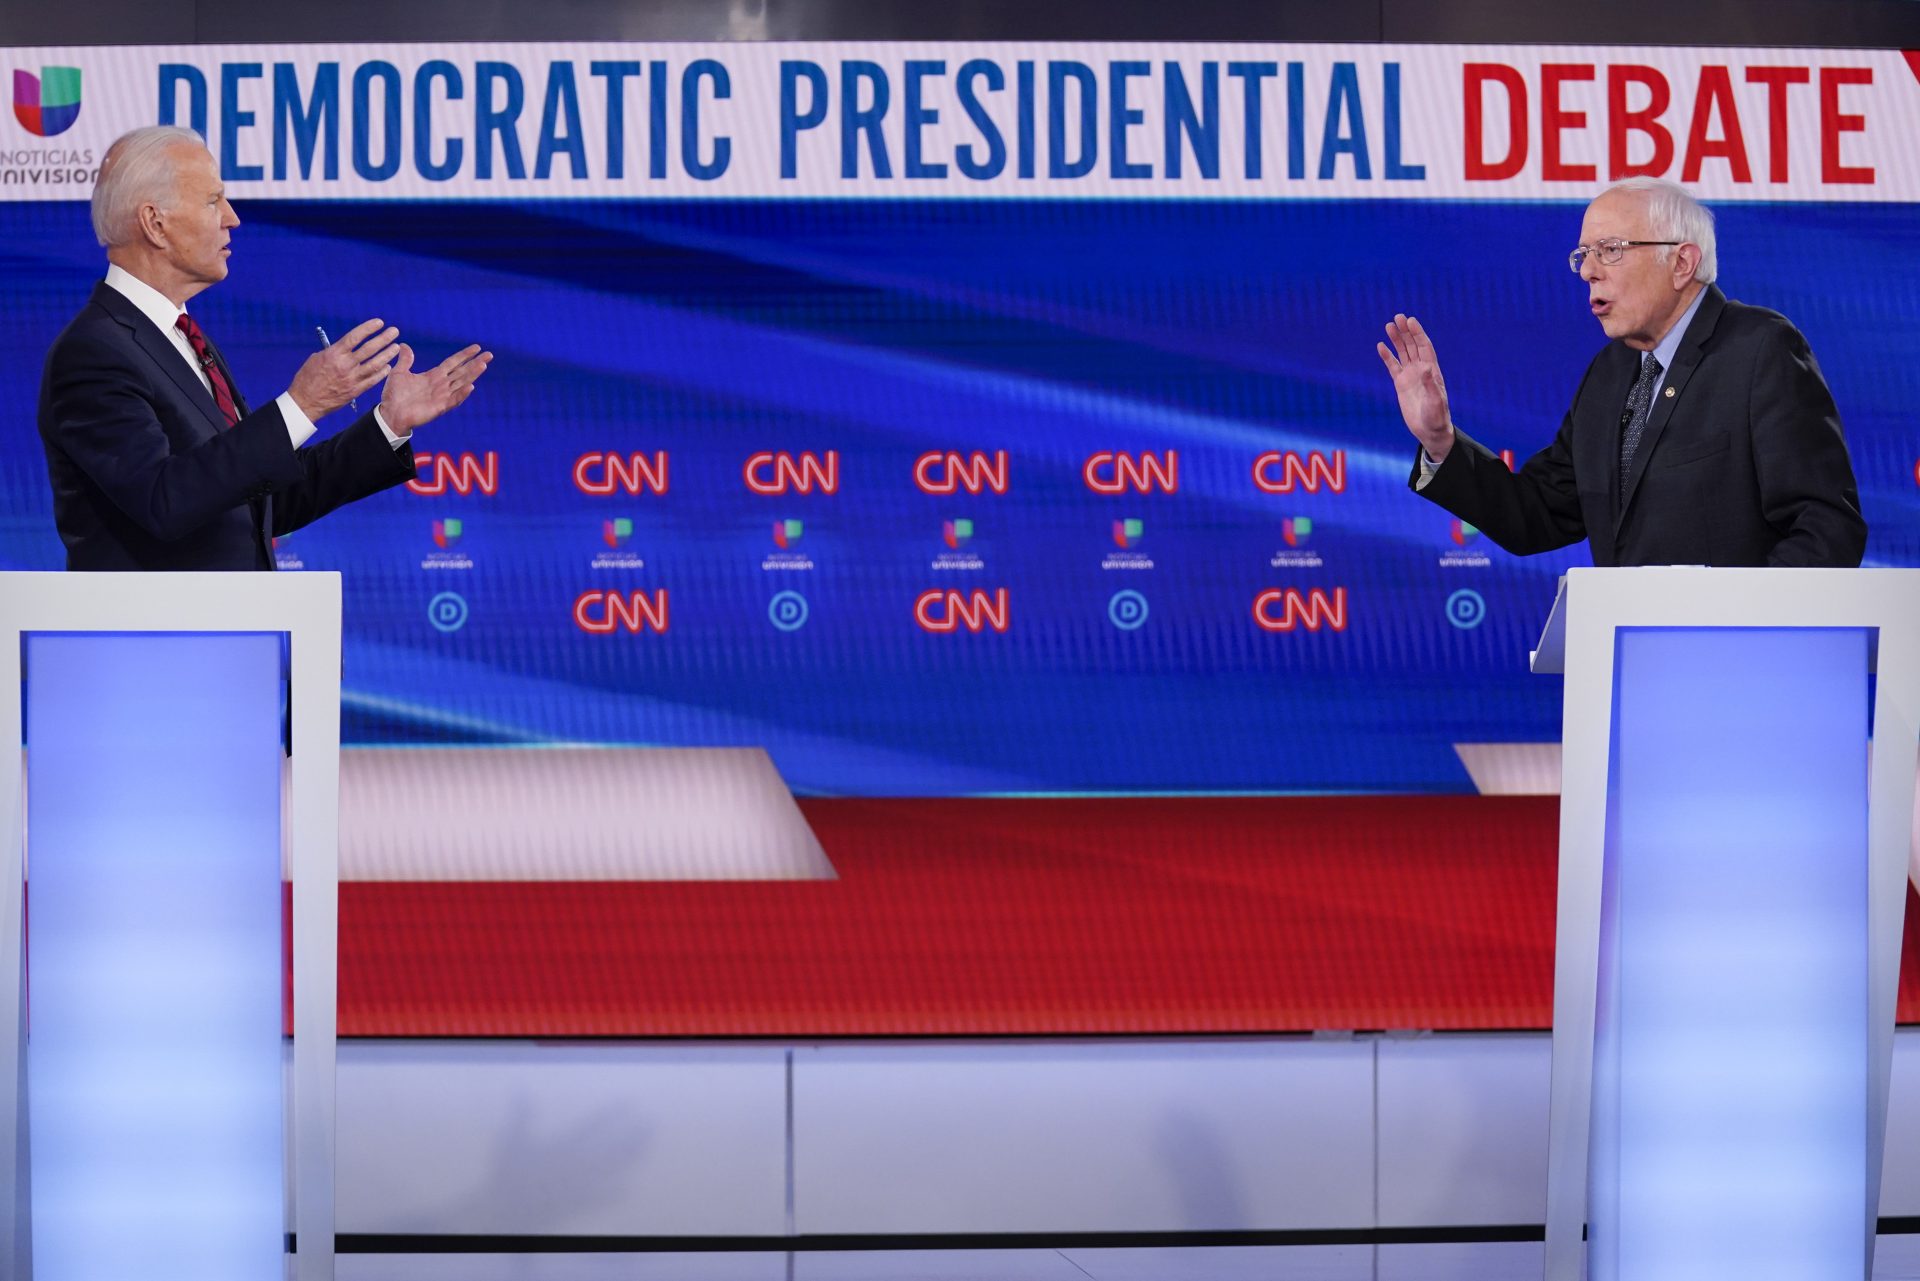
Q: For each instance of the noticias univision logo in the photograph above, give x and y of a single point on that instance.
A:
(786, 559)
(446, 539)
(956, 534)
(616, 533)
(47, 105)
(1463, 554)
(1127, 536)
(1295, 531)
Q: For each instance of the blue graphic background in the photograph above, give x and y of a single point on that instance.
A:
(885, 329)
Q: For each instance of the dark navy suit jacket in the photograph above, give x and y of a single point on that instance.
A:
(1742, 461)
(147, 475)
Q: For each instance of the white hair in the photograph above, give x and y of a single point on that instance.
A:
(1673, 214)
(137, 170)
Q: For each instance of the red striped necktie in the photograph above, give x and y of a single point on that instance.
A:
(203, 350)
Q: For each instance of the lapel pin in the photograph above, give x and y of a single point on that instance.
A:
(1669, 393)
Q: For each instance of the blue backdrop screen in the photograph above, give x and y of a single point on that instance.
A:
(1289, 618)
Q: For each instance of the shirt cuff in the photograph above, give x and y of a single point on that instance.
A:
(1427, 466)
(299, 426)
(380, 420)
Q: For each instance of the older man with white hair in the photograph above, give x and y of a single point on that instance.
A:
(156, 459)
(1702, 434)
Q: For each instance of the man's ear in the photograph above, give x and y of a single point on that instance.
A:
(1686, 261)
(151, 228)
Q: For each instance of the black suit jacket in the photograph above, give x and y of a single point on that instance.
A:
(1742, 461)
(147, 475)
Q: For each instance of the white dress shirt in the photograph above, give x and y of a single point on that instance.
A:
(158, 308)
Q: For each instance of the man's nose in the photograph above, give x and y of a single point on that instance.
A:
(1590, 268)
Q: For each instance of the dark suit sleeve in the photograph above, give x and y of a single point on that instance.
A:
(102, 418)
(341, 469)
(1536, 509)
(1800, 460)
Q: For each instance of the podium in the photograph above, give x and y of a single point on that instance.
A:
(144, 1100)
(1736, 800)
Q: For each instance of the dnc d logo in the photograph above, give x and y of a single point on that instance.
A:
(49, 103)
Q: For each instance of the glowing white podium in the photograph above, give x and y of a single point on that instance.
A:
(1735, 813)
(144, 1115)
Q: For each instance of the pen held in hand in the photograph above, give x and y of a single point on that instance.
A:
(326, 342)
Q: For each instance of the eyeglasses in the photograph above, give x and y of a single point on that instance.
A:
(1610, 251)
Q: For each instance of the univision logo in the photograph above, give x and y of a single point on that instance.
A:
(49, 103)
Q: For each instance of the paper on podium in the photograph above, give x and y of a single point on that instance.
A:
(1549, 656)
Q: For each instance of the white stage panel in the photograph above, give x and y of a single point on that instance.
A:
(1463, 1129)
(1083, 1137)
(587, 1139)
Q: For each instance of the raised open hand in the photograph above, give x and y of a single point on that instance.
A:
(1417, 381)
(342, 370)
(411, 399)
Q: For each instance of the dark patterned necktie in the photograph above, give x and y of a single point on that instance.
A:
(222, 393)
(1633, 419)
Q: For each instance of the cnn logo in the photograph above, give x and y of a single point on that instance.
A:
(600, 473)
(1282, 471)
(1116, 473)
(947, 473)
(781, 473)
(603, 612)
(951, 611)
(1286, 610)
(461, 473)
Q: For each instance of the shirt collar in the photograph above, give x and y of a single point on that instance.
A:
(153, 304)
(1670, 345)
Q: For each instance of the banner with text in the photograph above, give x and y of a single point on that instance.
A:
(1226, 121)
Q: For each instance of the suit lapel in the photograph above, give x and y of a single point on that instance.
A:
(160, 349)
(1686, 359)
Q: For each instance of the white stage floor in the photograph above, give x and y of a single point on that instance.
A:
(1898, 1259)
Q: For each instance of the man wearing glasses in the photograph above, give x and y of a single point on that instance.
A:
(1703, 434)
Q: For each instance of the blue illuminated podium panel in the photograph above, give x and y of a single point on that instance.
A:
(154, 991)
(146, 1099)
(1737, 791)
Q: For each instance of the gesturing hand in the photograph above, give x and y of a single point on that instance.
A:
(411, 399)
(340, 371)
(1417, 381)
